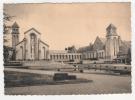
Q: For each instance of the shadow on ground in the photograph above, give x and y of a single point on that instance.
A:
(17, 79)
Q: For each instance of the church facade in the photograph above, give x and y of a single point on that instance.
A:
(31, 47)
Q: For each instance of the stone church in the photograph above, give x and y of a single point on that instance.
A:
(31, 47)
(108, 48)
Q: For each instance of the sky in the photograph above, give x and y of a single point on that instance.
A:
(63, 25)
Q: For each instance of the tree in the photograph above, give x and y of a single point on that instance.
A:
(7, 18)
(8, 52)
(129, 56)
(71, 49)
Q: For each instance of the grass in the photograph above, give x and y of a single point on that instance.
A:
(19, 79)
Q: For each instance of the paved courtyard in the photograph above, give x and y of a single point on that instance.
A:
(102, 84)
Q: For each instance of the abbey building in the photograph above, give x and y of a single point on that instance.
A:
(32, 47)
(110, 48)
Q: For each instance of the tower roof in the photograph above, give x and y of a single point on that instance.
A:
(111, 26)
(15, 25)
(111, 30)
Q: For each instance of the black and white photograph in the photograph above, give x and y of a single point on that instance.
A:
(67, 48)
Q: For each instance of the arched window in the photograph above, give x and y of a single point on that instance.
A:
(44, 52)
(21, 47)
(115, 45)
(33, 45)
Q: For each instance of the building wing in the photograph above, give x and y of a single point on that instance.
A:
(99, 44)
(125, 45)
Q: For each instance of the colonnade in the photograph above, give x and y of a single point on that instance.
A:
(66, 56)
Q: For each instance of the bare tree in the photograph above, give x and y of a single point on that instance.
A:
(7, 18)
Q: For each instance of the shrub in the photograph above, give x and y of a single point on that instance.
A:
(58, 69)
(81, 71)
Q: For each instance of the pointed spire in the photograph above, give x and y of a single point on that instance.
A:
(15, 25)
(111, 26)
(97, 37)
(111, 30)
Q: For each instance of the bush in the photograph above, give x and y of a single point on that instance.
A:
(72, 77)
(60, 76)
(63, 76)
(81, 71)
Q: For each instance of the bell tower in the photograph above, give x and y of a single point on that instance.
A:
(15, 34)
(112, 42)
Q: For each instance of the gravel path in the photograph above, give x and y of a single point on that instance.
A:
(102, 84)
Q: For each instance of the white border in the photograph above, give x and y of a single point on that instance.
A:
(133, 44)
(61, 1)
(1, 51)
(104, 97)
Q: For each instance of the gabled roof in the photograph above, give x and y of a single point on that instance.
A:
(99, 43)
(102, 40)
(15, 25)
(32, 29)
(44, 43)
(94, 46)
(20, 42)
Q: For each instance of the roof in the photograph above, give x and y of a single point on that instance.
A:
(85, 48)
(20, 42)
(15, 25)
(58, 51)
(103, 40)
(99, 44)
(111, 30)
(111, 26)
(127, 43)
(40, 41)
(32, 29)
(92, 47)
(44, 43)
(125, 46)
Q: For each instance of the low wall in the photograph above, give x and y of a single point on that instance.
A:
(93, 61)
(121, 67)
(46, 65)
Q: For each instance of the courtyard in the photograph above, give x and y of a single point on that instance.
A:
(101, 83)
